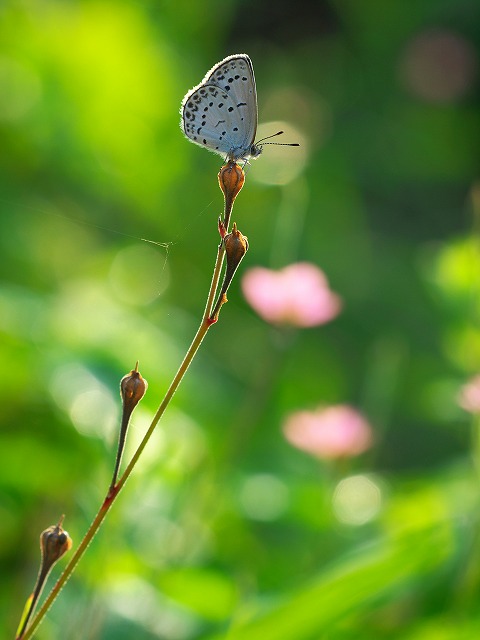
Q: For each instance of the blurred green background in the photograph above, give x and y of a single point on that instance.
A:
(108, 237)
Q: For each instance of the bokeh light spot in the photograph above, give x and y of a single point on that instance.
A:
(280, 164)
(357, 500)
(264, 497)
(87, 401)
(139, 274)
(439, 66)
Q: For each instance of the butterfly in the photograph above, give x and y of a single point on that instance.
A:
(221, 113)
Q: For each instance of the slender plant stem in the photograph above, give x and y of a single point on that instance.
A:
(37, 592)
(205, 324)
(207, 315)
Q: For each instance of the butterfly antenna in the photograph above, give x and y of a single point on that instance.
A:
(282, 144)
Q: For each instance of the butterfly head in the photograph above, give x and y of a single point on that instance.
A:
(240, 154)
(255, 150)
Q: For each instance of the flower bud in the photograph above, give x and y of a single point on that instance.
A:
(54, 542)
(133, 388)
(230, 178)
(236, 246)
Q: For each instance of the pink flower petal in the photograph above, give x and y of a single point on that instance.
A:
(469, 396)
(332, 432)
(297, 295)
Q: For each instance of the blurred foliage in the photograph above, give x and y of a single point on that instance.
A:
(108, 240)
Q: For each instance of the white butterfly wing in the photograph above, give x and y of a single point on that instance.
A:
(235, 76)
(220, 113)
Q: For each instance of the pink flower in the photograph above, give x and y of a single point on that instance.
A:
(297, 295)
(332, 432)
(439, 66)
(469, 396)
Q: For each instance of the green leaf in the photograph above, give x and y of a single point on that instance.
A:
(350, 587)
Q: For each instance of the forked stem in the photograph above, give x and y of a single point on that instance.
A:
(230, 185)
